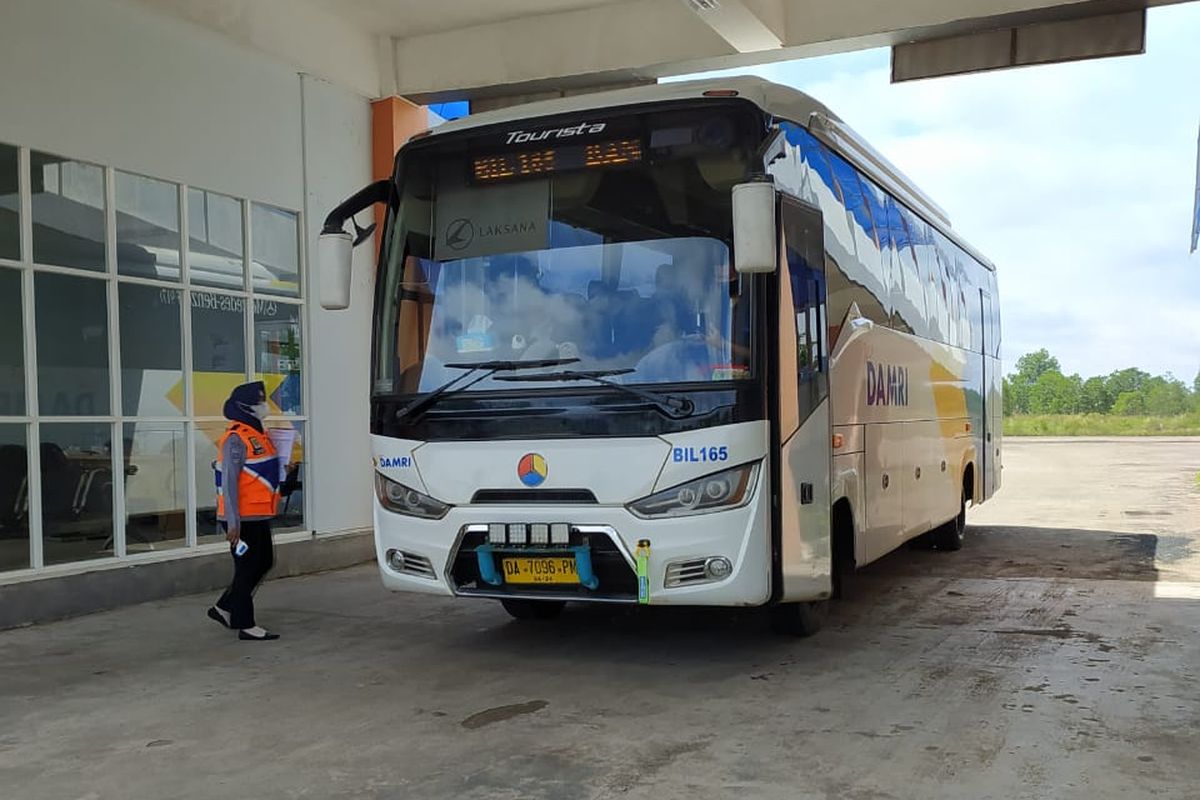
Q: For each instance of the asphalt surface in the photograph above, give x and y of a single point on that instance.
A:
(1055, 656)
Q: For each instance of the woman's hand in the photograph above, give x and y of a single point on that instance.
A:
(233, 535)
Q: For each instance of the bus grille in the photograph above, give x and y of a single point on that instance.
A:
(610, 564)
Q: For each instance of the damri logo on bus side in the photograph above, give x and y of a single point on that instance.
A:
(887, 385)
(520, 137)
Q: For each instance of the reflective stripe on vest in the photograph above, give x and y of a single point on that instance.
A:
(258, 483)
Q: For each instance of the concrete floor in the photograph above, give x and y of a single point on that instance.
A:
(1055, 656)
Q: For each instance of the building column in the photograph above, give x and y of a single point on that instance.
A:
(393, 121)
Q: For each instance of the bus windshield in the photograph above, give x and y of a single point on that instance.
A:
(614, 251)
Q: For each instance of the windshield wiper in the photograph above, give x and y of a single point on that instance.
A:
(418, 406)
(674, 407)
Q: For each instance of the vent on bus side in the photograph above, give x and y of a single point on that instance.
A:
(533, 496)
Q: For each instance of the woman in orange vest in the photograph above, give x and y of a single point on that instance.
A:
(247, 473)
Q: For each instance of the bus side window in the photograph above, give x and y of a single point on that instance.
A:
(849, 282)
(804, 255)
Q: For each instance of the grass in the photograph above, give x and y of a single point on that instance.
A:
(1101, 425)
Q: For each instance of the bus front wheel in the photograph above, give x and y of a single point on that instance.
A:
(533, 609)
(949, 537)
(799, 619)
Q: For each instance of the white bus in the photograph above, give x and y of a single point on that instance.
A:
(688, 344)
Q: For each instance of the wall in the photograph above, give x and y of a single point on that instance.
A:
(115, 83)
(121, 84)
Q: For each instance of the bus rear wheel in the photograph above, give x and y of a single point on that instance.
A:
(799, 619)
(533, 609)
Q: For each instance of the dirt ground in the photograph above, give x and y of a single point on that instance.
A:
(1055, 656)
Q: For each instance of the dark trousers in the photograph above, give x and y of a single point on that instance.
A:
(248, 571)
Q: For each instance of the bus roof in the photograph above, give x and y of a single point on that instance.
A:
(779, 101)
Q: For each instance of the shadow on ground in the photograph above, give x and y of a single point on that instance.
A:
(1002, 551)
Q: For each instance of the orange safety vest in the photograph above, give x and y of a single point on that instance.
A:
(258, 483)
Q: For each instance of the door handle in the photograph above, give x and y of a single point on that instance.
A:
(806, 493)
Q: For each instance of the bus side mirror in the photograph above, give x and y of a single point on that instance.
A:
(334, 254)
(335, 247)
(754, 235)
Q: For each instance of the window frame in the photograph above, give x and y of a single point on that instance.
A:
(31, 420)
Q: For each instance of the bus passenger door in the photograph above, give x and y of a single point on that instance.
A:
(803, 422)
(984, 442)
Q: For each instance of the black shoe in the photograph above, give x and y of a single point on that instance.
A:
(266, 637)
(215, 615)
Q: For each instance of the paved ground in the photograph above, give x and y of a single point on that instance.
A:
(1056, 656)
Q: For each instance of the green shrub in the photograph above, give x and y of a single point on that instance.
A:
(1101, 425)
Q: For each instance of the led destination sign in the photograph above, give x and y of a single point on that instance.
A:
(555, 159)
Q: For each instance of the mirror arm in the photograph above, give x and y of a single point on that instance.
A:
(364, 198)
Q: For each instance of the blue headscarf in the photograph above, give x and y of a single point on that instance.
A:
(237, 407)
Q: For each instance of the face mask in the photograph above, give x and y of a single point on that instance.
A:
(258, 410)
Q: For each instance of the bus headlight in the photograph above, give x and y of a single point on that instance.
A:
(404, 500)
(720, 491)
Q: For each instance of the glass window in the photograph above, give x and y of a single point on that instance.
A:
(147, 227)
(908, 295)
(151, 354)
(667, 310)
(806, 276)
(277, 353)
(218, 349)
(215, 249)
(10, 204)
(276, 265)
(207, 435)
(925, 247)
(71, 316)
(937, 295)
(14, 498)
(155, 486)
(68, 212)
(76, 491)
(291, 488)
(12, 344)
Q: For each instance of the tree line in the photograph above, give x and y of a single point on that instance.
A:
(1039, 387)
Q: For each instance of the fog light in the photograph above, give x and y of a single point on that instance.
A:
(560, 533)
(395, 560)
(539, 533)
(718, 567)
(496, 533)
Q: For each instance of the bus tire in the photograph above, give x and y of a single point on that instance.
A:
(949, 537)
(533, 609)
(799, 619)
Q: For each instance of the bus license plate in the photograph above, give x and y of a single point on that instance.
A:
(540, 570)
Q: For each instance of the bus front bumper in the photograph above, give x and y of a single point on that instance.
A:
(450, 556)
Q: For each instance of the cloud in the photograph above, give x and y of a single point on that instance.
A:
(1076, 179)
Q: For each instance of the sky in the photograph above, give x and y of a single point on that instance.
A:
(1077, 180)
